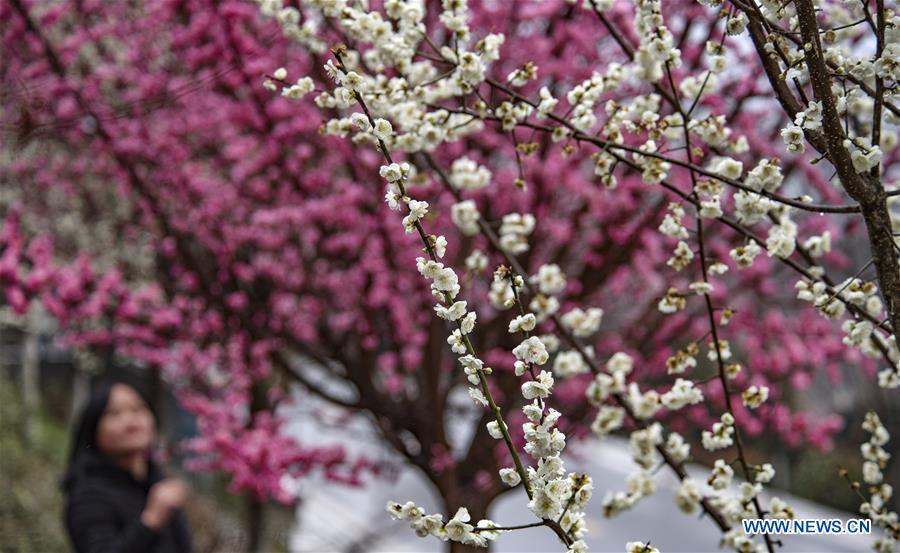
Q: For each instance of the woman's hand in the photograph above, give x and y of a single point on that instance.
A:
(165, 497)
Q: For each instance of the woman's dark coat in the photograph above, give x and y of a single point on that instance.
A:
(103, 511)
(104, 501)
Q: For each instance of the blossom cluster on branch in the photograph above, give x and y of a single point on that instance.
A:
(403, 78)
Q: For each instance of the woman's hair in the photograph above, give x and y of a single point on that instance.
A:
(84, 440)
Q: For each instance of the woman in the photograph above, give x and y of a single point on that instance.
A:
(117, 500)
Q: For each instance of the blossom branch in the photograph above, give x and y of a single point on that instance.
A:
(429, 247)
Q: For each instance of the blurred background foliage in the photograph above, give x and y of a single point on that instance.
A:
(30, 464)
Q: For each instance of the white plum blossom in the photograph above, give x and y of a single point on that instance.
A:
(360, 121)
(729, 168)
(393, 197)
(493, 428)
(503, 297)
(887, 66)
(452, 313)
(620, 363)
(671, 225)
(408, 511)
(428, 268)
(700, 288)
(549, 279)
(765, 176)
(478, 396)
(782, 239)
(440, 246)
(765, 474)
(382, 129)
(394, 171)
(532, 350)
(609, 419)
(457, 527)
(657, 45)
(683, 393)
(721, 435)
(423, 524)
(717, 268)
(457, 342)
(749, 491)
(811, 117)
(569, 363)
(476, 261)
(603, 385)
(681, 257)
(542, 440)
(522, 323)
(301, 88)
(514, 232)
(465, 174)
(417, 210)
(534, 411)
(711, 208)
(754, 396)
(677, 448)
(721, 475)
(672, 302)
(722, 350)
(646, 404)
(688, 496)
(467, 323)
(640, 547)
(817, 246)
(510, 477)
(583, 323)
(736, 24)
(446, 281)
(889, 378)
(875, 458)
(544, 505)
(547, 103)
(864, 158)
(471, 366)
(390, 38)
(751, 208)
(794, 139)
(643, 444)
(744, 255)
(577, 546)
(520, 367)
(780, 509)
(682, 361)
(521, 76)
(539, 388)
(465, 216)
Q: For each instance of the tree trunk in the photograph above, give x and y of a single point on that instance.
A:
(30, 384)
(254, 521)
(255, 509)
(156, 393)
(81, 389)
